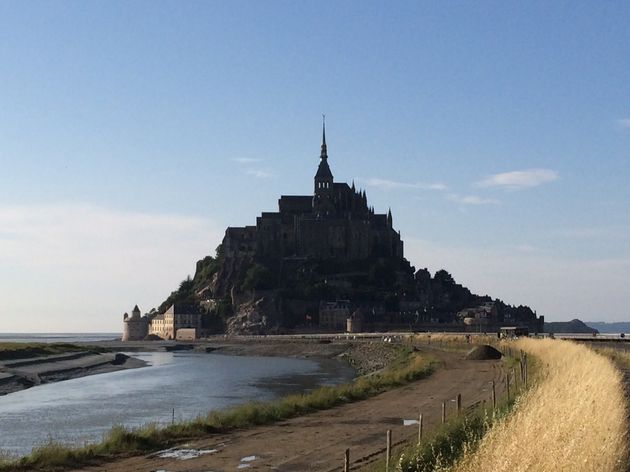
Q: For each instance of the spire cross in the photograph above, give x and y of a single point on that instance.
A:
(324, 153)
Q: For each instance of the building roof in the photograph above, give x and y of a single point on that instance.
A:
(180, 308)
(323, 171)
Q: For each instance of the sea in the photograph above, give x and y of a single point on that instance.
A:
(174, 386)
(57, 337)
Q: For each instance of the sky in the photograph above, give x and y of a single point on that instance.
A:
(133, 133)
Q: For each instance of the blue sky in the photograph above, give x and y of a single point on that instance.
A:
(133, 133)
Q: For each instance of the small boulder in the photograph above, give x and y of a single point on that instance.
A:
(483, 353)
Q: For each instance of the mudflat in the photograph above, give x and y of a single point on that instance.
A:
(18, 374)
(317, 442)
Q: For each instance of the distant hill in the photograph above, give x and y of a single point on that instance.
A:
(573, 326)
(603, 327)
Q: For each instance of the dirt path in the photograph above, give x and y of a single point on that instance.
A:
(317, 442)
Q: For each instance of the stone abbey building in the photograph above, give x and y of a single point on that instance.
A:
(334, 222)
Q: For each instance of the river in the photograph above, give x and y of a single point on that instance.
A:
(84, 409)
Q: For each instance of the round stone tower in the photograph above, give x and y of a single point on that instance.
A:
(135, 327)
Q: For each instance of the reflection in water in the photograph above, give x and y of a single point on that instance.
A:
(84, 409)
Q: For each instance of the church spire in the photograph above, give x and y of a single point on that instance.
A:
(324, 152)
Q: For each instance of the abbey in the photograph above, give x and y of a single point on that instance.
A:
(334, 222)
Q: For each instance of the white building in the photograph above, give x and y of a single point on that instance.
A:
(165, 325)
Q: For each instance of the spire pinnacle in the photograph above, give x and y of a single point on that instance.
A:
(324, 152)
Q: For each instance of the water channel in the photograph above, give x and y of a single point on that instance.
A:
(84, 409)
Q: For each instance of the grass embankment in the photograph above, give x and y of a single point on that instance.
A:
(573, 419)
(409, 366)
(12, 351)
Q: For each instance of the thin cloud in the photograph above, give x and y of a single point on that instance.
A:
(246, 160)
(88, 264)
(259, 173)
(471, 200)
(393, 185)
(526, 248)
(519, 179)
(619, 232)
(624, 123)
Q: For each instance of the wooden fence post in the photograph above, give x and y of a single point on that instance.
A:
(389, 449)
(494, 397)
(173, 417)
(525, 368)
(515, 382)
(346, 461)
(443, 412)
(420, 428)
(459, 403)
(507, 385)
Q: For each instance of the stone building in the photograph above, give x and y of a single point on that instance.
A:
(334, 222)
(135, 327)
(165, 325)
(334, 315)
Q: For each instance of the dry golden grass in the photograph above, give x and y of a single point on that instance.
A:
(574, 419)
(620, 356)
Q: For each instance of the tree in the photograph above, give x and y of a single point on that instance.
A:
(258, 277)
(444, 277)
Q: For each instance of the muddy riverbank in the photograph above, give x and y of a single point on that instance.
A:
(18, 374)
(364, 355)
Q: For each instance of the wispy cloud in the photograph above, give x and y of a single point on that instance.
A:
(253, 171)
(471, 200)
(259, 173)
(618, 232)
(519, 179)
(623, 123)
(393, 185)
(526, 248)
(246, 160)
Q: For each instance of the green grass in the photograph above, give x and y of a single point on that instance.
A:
(451, 441)
(11, 351)
(121, 442)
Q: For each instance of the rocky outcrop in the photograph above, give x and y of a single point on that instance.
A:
(261, 315)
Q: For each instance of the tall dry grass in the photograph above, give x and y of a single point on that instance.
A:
(619, 355)
(574, 419)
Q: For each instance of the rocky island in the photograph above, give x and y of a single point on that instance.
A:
(325, 262)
